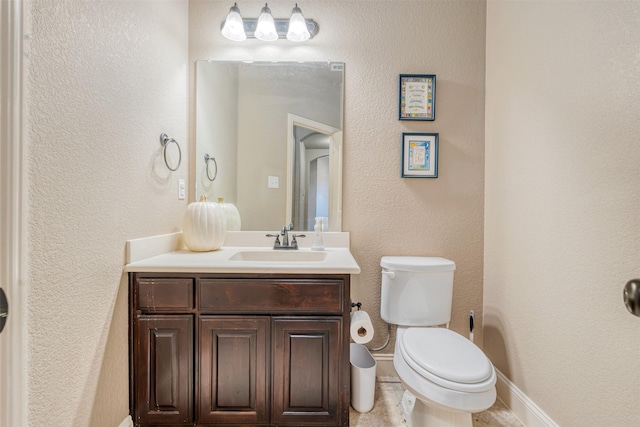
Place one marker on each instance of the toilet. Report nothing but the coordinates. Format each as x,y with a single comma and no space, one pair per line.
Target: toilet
447,377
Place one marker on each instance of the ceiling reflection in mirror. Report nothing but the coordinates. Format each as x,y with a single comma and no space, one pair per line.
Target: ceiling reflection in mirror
272,134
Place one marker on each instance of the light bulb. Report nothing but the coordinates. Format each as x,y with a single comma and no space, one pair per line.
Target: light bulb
233,28
298,31
266,29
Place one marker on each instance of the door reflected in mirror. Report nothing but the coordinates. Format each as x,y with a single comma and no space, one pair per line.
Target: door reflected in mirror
275,132
311,180
310,145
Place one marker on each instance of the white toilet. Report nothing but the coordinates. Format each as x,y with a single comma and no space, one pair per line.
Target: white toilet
447,376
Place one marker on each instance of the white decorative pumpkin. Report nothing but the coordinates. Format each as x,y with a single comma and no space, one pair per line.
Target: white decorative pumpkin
231,214
204,226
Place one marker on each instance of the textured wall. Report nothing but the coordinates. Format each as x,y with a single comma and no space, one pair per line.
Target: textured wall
104,79
561,225
378,40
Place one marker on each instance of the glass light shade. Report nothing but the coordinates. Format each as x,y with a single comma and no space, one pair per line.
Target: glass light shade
233,28
266,29
298,31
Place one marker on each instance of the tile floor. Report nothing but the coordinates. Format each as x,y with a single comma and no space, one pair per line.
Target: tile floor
387,411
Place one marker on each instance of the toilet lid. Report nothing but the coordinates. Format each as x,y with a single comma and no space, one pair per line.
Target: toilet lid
417,264
447,358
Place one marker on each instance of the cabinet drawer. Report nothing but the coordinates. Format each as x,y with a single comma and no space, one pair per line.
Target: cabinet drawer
271,295
168,294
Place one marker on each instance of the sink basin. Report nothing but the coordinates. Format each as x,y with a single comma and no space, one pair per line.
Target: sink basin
279,256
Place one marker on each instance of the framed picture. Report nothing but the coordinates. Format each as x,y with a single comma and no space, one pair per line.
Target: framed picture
419,155
417,97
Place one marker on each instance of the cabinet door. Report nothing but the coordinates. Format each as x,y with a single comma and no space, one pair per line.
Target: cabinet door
233,375
163,369
306,371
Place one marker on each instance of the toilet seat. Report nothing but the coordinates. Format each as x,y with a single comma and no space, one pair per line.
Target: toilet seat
447,359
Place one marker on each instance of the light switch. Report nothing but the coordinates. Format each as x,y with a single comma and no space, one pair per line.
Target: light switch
181,189
273,182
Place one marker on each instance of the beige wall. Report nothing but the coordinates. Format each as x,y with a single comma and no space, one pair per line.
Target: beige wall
388,215
104,79
561,223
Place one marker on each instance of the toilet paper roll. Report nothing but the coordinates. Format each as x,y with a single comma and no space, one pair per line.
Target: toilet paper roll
361,327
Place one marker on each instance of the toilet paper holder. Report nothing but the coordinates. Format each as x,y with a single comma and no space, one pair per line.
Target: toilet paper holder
386,343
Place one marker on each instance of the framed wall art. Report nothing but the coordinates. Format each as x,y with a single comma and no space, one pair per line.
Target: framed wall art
417,97
419,155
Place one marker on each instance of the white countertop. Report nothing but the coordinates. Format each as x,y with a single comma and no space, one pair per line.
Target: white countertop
166,254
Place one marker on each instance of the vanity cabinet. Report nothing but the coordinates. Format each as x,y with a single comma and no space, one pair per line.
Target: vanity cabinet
233,376
239,349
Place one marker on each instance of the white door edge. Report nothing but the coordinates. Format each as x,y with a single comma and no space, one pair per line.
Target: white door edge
13,340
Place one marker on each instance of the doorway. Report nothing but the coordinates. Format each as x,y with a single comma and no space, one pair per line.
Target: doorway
314,164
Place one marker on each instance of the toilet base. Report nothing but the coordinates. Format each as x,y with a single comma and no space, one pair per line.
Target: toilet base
419,414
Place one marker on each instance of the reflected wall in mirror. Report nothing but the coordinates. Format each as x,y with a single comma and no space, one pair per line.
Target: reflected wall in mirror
275,132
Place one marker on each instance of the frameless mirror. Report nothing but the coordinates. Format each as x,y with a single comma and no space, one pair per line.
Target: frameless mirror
269,140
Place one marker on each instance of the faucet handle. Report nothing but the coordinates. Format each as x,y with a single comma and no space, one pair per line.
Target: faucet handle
276,244
294,242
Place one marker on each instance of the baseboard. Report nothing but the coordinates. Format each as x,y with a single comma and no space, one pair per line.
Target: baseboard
385,372
127,422
519,403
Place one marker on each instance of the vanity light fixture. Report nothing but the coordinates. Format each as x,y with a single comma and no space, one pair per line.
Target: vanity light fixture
298,31
266,28
233,27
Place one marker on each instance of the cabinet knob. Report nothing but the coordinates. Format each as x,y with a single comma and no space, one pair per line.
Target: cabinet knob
4,309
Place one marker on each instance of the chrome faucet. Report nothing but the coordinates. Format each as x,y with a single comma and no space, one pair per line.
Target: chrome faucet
285,236
284,232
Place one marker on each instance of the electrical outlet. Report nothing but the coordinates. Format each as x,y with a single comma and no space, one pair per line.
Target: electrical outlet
181,189
273,182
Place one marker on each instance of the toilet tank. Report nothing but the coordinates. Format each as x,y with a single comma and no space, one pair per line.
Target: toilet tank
416,291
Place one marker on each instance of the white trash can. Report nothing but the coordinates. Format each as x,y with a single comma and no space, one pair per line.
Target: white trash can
363,378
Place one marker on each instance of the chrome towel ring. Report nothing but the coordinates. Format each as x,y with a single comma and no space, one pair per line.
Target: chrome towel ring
207,159
165,141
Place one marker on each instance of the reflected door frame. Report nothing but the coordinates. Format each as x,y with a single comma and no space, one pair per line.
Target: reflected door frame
335,166
13,339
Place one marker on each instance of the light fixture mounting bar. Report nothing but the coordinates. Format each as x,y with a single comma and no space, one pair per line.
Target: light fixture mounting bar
282,26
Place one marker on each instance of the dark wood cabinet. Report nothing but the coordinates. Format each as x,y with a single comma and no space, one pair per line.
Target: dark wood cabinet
306,371
165,394
239,349
233,375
